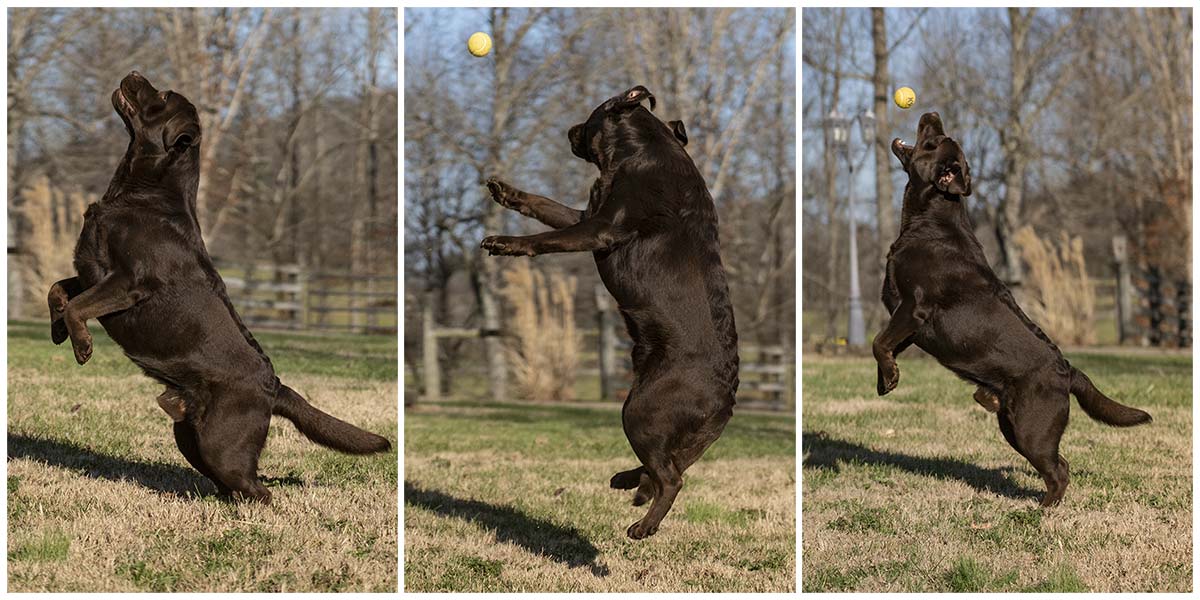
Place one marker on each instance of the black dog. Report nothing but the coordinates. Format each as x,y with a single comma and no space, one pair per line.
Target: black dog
652,228
944,298
144,272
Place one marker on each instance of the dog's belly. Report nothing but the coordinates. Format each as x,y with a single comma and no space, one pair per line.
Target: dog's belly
184,338
984,342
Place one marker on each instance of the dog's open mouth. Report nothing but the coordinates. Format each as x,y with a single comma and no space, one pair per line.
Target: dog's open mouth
123,103
947,176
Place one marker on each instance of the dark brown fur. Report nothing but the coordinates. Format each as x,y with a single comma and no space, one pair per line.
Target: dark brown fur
652,228
943,297
144,272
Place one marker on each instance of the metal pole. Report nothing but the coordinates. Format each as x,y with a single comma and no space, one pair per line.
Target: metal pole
856,335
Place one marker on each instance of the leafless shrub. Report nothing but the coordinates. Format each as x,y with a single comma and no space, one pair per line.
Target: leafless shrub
544,353
52,218
1058,295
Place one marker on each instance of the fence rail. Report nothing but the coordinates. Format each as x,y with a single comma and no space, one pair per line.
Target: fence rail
286,297
766,372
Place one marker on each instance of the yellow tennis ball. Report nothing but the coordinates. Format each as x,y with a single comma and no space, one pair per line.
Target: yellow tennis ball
479,44
905,97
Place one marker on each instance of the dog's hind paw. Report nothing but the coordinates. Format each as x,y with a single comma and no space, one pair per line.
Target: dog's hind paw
638,531
889,376
626,480
640,497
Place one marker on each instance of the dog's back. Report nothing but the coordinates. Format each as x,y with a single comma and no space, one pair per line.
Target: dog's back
669,281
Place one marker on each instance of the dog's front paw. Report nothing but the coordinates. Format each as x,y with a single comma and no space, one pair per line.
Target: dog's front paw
889,376
505,245
58,331
503,194
638,531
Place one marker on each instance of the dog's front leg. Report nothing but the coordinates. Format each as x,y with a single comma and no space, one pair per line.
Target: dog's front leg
113,293
61,293
904,322
543,209
590,235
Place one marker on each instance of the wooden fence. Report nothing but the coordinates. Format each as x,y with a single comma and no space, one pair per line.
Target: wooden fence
287,297
767,373
1152,309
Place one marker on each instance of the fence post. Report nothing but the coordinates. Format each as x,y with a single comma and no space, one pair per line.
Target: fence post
608,345
1120,246
429,352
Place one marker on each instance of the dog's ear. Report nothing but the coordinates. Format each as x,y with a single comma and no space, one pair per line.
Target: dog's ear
635,96
679,131
902,152
578,144
180,133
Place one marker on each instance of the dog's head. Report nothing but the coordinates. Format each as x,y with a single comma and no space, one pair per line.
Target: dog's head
936,159
622,120
164,128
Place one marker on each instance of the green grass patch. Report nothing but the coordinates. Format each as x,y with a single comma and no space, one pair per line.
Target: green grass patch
51,546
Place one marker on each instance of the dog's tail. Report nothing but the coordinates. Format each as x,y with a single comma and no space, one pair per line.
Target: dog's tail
325,429
1101,407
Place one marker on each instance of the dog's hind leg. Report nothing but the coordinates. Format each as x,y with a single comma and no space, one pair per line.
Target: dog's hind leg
1033,421
697,442
668,433
230,440
185,439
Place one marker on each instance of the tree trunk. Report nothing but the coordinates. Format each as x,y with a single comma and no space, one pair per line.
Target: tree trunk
884,211
1012,139
489,268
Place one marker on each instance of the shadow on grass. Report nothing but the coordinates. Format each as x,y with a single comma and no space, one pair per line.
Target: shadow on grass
161,477
824,452
537,536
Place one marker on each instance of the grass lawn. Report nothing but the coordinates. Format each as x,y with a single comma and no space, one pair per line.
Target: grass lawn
918,491
100,499
509,497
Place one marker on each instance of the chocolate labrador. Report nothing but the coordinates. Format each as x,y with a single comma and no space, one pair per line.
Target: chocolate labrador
651,226
943,297
144,272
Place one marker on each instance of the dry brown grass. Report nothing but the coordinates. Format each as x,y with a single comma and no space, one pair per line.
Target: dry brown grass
1056,293
99,498
922,494
514,498
545,353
